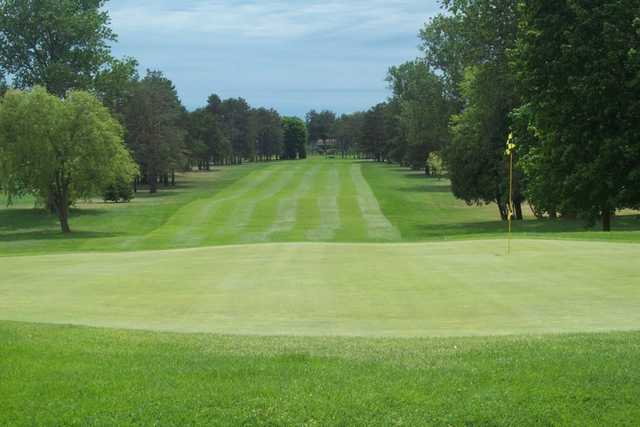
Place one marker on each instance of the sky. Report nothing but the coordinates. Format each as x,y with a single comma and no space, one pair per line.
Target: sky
291,55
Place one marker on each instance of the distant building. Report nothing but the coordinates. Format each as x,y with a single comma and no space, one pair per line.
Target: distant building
326,146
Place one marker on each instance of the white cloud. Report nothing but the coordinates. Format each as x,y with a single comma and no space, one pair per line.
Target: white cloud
299,54
270,19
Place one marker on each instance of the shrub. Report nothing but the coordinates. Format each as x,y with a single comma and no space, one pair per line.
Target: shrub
118,191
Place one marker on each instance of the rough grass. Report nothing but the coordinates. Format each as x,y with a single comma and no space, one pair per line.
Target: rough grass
424,209
55,375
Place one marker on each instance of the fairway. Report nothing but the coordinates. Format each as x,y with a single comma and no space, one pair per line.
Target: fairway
433,289
321,201
317,200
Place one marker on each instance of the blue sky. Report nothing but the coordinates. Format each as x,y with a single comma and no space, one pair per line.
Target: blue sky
292,55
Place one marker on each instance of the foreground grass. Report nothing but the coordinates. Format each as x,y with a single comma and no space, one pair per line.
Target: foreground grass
56,375
422,289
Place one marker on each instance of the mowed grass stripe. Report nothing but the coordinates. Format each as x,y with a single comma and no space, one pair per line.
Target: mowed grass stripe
308,214
236,229
386,289
226,224
378,226
287,214
189,226
267,211
327,201
353,227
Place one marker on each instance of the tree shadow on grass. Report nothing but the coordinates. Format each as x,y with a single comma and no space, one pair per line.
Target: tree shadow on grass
37,224
528,226
426,188
53,235
414,174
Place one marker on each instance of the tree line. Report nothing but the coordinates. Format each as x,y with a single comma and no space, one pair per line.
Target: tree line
75,122
562,77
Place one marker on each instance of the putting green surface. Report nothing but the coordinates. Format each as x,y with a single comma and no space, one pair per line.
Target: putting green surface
425,289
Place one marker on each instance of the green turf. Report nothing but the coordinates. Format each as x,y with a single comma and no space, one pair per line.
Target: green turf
424,209
52,375
312,250
423,289
314,200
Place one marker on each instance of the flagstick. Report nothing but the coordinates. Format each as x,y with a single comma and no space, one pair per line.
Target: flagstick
510,201
510,147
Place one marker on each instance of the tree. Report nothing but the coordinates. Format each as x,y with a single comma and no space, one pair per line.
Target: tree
152,115
373,133
320,125
60,150
3,85
269,133
113,85
469,46
216,138
443,44
239,128
295,138
348,132
578,68
475,157
61,44
424,110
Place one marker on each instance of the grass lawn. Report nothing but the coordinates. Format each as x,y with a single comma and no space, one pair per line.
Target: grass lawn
55,375
317,200
424,289
424,209
318,292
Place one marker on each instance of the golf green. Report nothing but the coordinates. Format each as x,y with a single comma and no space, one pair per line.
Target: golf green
403,290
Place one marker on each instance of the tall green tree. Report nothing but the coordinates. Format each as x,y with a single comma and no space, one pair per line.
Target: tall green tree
60,150
470,46
60,44
374,136
475,158
579,73
114,84
153,114
320,125
424,110
295,138
200,132
239,128
348,132
269,133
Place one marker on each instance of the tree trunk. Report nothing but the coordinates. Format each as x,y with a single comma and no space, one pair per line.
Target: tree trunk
61,201
63,215
153,183
518,208
503,212
606,220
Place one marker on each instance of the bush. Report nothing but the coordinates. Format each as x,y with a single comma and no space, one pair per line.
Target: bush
435,165
119,191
